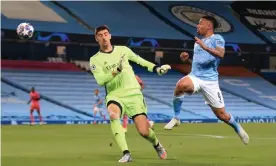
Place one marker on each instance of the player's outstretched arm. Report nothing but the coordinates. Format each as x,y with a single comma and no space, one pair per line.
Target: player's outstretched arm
160,70
218,44
101,77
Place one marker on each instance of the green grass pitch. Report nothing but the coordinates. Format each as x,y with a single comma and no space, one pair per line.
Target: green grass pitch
93,145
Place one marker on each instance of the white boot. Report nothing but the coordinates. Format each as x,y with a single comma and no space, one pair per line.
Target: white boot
172,123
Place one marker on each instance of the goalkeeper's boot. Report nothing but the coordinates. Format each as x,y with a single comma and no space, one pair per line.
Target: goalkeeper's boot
243,135
126,158
172,123
161,151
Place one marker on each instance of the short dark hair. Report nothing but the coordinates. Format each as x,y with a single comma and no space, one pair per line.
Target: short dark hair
212,19
100,28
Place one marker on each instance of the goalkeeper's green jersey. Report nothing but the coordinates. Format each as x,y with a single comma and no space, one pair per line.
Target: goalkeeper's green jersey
123,84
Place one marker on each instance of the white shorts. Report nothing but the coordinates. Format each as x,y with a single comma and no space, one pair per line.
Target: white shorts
210,90
97,109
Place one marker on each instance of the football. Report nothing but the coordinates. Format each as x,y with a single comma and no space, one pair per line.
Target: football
25,31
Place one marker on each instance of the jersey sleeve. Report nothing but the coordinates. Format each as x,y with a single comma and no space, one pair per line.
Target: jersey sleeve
101,77
219,42
140,61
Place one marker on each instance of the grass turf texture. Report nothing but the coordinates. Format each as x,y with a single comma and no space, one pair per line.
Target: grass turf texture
89,145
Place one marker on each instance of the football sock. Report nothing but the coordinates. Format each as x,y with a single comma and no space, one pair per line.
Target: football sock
152,137
32,118
233,123
119,134
177,102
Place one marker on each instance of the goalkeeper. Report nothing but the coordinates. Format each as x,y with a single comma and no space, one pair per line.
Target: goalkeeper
111,69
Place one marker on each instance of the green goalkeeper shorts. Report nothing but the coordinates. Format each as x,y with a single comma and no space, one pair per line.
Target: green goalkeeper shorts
130,105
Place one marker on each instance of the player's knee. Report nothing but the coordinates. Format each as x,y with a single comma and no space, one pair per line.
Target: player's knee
181,88
113,115
114,112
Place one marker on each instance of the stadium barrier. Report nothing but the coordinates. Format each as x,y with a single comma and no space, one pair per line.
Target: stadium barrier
38,65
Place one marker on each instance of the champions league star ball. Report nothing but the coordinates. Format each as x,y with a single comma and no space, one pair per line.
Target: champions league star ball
25,31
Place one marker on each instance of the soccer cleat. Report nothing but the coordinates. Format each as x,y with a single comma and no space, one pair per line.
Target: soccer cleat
161,151
126,158
244,136
151,124
172,123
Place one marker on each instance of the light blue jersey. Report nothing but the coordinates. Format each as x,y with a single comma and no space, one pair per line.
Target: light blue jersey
97,98
204,64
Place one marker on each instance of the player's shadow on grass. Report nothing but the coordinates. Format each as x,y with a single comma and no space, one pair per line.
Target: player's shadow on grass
183,164
163,163
152,158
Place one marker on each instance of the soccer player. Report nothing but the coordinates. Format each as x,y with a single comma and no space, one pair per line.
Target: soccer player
98,105
203,78
111,69
34,99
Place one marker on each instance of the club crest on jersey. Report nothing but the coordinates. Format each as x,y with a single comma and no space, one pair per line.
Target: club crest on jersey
93,67
219,42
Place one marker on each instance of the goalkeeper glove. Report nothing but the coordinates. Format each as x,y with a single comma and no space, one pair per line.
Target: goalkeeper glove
163,69
120,67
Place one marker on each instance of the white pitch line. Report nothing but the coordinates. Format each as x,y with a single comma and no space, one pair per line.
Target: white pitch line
213,136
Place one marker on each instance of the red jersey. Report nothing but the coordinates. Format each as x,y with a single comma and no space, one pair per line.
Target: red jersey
34,98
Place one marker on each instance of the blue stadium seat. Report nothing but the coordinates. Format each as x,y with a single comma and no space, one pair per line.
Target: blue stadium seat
162,89
14,107
124,19
76,89
190,12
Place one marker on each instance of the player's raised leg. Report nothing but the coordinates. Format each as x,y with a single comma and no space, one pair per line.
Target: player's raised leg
230,120
214,98
114,110
143,127
184,85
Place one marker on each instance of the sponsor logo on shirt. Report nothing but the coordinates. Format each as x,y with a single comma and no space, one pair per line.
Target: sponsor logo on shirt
115,65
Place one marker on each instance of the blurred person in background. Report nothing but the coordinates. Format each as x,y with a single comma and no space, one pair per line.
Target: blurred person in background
34,100
98,105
